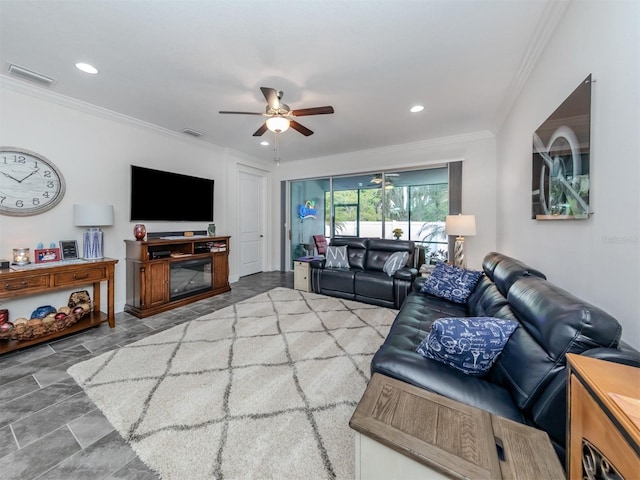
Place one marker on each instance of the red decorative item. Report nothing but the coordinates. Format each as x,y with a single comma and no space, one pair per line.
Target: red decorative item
139,231
4,315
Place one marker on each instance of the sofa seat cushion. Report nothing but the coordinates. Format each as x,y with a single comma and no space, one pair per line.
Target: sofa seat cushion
430,306
413,368
339,279
374,285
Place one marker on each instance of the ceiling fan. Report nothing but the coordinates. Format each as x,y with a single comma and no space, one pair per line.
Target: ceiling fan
280,115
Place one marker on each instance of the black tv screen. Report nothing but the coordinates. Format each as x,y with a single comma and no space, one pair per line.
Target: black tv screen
158,195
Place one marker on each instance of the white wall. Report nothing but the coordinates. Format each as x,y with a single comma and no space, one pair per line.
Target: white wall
93,149
596,259
478,172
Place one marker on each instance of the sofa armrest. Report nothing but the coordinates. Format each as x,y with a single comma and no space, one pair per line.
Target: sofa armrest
318,263
406,273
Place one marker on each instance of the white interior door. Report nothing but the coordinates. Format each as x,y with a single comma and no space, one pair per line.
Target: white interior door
251,189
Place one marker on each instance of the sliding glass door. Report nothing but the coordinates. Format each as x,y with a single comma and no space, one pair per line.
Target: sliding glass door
402,204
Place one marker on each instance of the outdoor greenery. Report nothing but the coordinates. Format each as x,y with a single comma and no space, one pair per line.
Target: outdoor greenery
428,204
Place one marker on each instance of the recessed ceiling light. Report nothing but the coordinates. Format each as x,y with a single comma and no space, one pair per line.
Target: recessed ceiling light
86,68
416,108
264,143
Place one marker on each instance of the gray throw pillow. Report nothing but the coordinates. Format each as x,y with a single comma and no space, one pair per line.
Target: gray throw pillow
337,257
395,262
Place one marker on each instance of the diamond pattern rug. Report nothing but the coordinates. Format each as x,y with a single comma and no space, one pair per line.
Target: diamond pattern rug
262,389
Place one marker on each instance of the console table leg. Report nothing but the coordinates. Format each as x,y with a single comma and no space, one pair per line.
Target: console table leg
110,297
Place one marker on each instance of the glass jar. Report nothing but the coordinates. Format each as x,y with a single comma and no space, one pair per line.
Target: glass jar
21,256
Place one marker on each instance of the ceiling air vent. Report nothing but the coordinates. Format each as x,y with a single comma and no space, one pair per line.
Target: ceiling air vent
29,75
192,132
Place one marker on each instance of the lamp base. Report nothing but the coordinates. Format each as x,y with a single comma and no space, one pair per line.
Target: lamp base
93,244
459,259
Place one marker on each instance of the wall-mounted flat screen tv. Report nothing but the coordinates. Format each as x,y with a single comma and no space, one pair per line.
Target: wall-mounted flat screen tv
158,195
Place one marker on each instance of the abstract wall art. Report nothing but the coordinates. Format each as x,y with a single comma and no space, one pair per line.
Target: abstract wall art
560,183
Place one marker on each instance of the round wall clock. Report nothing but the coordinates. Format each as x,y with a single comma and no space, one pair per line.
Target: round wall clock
29,183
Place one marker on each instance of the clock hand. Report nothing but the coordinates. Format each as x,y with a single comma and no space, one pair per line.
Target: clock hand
7,175
20,181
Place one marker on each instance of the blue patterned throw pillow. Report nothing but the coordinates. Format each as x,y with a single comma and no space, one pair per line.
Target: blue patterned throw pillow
471,345
451,282
337,257
395,262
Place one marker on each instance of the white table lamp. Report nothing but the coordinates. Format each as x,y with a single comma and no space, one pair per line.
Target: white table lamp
93,216
461,226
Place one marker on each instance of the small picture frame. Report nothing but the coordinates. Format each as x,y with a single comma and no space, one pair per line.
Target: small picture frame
69,249
45,255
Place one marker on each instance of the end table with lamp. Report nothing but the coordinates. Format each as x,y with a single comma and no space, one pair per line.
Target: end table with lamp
460,226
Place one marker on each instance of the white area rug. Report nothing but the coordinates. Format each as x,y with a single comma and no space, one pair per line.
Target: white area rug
261,389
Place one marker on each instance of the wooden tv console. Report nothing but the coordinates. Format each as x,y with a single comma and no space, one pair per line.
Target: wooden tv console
151,263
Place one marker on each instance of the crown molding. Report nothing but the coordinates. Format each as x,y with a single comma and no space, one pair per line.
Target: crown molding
413,146
553,12
84,107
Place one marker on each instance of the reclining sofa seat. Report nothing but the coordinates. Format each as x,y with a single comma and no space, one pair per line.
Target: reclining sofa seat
528,381
364,280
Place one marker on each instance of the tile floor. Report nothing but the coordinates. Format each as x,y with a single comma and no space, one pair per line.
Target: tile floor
49,429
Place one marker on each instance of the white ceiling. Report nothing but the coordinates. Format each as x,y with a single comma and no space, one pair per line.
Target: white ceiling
177,63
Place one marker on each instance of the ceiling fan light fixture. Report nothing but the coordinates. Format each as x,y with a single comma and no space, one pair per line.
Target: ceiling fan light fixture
278,124
416,109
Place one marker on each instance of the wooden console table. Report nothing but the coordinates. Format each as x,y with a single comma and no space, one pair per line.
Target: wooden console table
32,280
408,432
604,419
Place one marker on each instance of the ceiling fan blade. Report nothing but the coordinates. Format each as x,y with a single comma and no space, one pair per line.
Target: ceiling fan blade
271,95
261,130
240,113
312,111
300,128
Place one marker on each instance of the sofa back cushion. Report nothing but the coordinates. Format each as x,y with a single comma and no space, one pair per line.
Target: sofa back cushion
553,322
487,301
356,249
504,270
379,250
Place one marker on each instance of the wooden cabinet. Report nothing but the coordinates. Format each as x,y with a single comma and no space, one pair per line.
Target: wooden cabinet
604,419
166,273
154,280
42,278
302,276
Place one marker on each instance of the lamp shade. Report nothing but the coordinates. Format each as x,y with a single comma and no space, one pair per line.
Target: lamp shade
277,124
461,225
92,215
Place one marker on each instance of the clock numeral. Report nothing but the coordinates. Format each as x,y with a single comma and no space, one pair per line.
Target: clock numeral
47,174
19,204
19,159
45,194
35,201
2,198
4,160
50,185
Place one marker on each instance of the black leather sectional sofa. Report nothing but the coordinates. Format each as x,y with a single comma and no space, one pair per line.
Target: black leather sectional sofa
528,381
365,280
